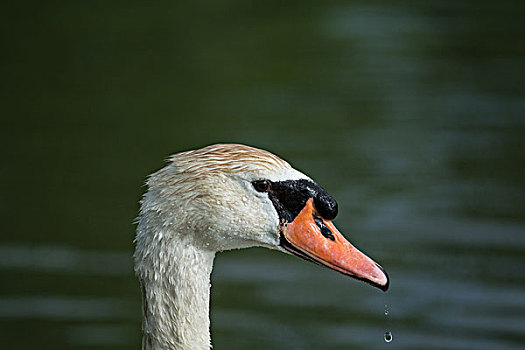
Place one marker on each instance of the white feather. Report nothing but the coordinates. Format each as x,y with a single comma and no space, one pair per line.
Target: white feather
201,203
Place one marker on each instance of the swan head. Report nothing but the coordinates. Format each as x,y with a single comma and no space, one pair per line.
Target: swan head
230,196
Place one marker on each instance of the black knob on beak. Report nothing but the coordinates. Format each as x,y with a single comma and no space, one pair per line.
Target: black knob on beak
326,206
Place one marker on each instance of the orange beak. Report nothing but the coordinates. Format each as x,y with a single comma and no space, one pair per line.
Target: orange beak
317,240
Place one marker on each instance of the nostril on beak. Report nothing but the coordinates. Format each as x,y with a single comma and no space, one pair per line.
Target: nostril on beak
326,206
325,231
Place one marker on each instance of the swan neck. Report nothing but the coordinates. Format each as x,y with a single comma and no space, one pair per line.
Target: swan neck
175,280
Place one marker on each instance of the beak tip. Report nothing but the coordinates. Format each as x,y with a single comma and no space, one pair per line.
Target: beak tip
384,284
385,287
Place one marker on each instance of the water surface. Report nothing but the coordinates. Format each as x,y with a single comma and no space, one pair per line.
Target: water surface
410,115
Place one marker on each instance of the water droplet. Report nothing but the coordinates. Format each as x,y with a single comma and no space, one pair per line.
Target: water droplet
386,310
244,199
388,336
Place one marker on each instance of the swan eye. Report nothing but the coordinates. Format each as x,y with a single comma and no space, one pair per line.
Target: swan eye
261,185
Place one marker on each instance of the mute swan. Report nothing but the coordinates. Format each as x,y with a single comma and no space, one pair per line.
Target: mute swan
221,197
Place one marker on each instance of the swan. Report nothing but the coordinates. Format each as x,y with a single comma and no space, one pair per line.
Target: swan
221,197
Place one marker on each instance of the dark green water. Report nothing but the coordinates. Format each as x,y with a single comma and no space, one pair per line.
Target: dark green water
411,114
